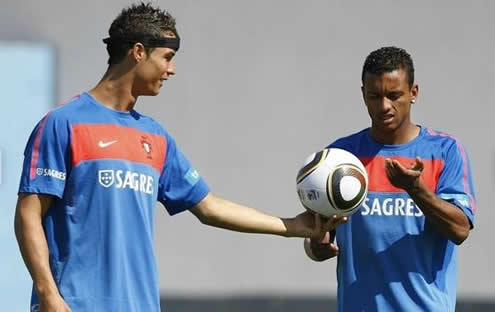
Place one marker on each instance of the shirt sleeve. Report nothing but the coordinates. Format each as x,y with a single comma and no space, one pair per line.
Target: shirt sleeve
180,185
455,183
46,158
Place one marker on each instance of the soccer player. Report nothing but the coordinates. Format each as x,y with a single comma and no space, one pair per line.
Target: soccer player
93,171
399,251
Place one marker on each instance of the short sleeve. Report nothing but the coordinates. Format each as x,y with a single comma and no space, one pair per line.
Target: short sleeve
455,183
180,185
46,158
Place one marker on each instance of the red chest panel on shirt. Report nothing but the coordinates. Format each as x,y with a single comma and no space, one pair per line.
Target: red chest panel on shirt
108,141
379,182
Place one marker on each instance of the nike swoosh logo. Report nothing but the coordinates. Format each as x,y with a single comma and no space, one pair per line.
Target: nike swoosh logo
106,144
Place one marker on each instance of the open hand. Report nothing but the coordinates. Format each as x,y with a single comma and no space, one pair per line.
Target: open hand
404,177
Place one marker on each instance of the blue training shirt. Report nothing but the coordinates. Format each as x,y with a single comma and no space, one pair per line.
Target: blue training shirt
106,170
390,258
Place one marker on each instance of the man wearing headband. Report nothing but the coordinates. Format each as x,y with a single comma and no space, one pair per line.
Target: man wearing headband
93,171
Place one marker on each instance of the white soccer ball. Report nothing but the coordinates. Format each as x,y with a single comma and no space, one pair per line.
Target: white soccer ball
331,182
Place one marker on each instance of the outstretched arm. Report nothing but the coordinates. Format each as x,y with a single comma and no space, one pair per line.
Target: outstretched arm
447,218
34,249
222,213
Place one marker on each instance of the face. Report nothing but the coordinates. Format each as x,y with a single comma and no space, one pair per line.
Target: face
388,98
152,69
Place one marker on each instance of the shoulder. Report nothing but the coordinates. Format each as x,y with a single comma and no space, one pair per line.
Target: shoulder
66,111
442,139
446,144
152,124
54,126
348,142
153,127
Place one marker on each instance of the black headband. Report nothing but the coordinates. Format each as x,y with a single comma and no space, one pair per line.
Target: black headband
172,43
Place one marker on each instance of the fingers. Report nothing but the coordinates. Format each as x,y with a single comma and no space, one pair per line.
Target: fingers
323,225
317,221
333,222
333,249
326,238
340,220
418,165
319,227
398,167
388,163
327,250
393,164
389,168
394,168
320,251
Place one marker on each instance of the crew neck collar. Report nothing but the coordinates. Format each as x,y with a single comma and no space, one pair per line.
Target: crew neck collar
416,139
128,114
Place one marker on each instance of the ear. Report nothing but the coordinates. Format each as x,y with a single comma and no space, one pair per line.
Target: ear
138,52
362,93
414,92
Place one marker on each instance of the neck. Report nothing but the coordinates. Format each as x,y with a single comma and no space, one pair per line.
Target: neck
114,90
399,136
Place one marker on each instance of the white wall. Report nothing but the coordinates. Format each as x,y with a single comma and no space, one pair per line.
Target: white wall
262,84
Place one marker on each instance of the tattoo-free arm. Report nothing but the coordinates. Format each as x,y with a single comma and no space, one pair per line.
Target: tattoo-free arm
225,214
447,218
34,249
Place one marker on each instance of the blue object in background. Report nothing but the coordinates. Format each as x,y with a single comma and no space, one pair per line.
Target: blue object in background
28,92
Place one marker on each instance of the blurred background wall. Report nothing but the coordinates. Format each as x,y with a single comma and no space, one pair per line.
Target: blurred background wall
28,92
259,86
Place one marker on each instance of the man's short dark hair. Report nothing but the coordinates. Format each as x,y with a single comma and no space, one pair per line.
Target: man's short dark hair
387,59
138,21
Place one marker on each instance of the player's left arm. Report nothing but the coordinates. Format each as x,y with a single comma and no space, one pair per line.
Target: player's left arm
447,218
222,213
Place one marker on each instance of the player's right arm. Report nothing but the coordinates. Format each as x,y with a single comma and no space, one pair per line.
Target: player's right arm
32,242
321,250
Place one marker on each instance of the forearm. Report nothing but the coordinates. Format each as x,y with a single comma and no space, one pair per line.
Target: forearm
33,246
225,214
447,218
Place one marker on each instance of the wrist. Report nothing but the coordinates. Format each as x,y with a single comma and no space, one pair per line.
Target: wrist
46,292
289,227
416,188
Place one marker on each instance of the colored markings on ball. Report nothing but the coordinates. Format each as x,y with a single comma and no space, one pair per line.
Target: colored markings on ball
312,165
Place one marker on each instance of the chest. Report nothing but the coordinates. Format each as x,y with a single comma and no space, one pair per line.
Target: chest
379,182
109,141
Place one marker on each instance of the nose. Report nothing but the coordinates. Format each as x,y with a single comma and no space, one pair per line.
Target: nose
171,68
385,103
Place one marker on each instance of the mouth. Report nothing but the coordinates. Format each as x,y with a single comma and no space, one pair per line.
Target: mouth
386,118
